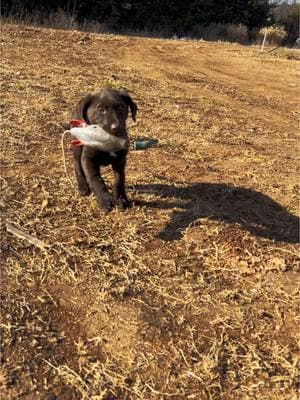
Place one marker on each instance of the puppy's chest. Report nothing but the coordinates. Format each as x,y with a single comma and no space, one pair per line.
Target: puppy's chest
102,157
106,158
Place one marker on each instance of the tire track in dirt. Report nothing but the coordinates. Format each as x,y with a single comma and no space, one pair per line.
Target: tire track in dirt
223,79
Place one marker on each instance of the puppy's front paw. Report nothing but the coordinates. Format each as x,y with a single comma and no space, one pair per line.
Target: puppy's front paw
84,191
106,202
83,188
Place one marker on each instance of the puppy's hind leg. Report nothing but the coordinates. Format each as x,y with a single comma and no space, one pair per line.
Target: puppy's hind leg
83,186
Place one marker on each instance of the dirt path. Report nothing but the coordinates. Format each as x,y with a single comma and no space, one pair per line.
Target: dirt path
245,79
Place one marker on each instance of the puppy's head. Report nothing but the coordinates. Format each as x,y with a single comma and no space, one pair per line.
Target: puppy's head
107,108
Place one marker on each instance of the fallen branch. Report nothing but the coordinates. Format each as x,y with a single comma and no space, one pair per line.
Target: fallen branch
22,235
275,48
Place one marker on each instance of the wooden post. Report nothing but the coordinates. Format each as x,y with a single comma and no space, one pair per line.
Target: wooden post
264,41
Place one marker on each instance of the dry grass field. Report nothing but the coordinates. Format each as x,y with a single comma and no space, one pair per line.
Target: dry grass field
193,292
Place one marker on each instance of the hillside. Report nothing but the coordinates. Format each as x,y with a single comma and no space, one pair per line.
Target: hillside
190,294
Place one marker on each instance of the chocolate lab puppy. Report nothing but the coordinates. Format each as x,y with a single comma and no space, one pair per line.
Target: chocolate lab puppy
107,108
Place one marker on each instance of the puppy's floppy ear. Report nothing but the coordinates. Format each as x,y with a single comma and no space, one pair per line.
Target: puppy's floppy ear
131,104
80,111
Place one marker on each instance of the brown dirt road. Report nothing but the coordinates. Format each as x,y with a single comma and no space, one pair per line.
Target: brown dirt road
192,293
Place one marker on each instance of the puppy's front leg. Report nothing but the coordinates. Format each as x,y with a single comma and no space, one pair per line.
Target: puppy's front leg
81,181
120,196
96,183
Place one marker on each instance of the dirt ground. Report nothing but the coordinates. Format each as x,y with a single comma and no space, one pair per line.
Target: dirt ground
193,292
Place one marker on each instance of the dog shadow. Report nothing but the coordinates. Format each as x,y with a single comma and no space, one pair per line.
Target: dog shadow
253,211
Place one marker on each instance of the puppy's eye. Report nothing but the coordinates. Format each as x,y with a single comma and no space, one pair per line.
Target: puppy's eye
101,110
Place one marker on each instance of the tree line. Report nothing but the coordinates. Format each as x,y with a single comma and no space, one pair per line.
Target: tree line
175,16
